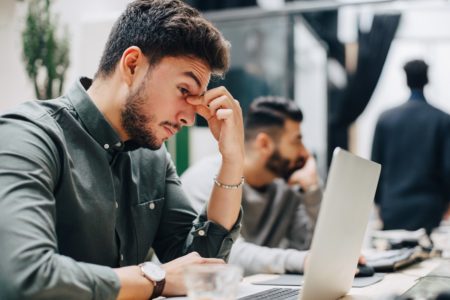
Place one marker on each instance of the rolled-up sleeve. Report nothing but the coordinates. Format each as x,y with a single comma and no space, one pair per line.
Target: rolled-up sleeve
213,240
30,265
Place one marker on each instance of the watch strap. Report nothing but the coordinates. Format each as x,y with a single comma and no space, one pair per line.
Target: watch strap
158,288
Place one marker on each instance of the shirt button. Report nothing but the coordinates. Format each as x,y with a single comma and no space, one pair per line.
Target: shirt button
121,256
118,144
201,233
117,205
106,146
151,205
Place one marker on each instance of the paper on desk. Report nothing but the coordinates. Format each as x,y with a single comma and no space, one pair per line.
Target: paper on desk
400,234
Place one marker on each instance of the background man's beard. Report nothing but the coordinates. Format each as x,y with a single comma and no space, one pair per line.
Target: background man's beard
280,165
135,122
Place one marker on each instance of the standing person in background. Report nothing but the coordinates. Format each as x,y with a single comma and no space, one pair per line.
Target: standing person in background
412,143
86,185
281,196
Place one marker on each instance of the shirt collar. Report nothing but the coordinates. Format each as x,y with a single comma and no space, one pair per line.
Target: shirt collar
93,120
417,95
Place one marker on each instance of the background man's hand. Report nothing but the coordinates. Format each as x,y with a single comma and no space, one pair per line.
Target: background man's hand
174,272
307,176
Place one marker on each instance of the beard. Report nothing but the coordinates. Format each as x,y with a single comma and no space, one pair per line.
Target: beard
279,165
135,121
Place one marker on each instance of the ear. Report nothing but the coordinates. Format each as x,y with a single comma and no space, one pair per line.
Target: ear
264,144
131,61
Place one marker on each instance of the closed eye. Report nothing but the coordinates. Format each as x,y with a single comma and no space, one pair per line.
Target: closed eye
184,92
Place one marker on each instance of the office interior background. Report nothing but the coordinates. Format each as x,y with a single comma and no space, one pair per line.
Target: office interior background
341,61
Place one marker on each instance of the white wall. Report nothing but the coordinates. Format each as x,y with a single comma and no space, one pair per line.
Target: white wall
15,86
311,92
13,79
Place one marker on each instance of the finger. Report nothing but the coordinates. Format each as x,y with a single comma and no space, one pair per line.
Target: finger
220,102
196,100
203,111
194,253
214,99
362,260
223,114
230,106
215,93
212,261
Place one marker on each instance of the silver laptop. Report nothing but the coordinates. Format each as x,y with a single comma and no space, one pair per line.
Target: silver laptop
342,222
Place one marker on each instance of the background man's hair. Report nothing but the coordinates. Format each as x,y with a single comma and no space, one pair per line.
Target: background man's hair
163,28
268,114
416,73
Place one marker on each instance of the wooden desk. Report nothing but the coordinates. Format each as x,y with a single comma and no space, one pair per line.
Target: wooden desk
392,284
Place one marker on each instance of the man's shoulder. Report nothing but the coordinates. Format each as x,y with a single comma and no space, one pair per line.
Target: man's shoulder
34,115
404,111
36,111
438,112
393,111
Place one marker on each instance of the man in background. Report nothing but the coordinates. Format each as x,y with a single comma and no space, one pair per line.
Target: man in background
281,195
412,143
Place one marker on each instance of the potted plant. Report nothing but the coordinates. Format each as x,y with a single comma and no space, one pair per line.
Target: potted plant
46,55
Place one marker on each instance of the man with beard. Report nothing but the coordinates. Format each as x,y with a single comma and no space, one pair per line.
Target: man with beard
86,185
281,194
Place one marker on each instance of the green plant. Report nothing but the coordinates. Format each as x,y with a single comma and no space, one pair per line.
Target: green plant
46,56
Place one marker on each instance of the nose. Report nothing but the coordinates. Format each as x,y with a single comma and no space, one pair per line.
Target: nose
186,116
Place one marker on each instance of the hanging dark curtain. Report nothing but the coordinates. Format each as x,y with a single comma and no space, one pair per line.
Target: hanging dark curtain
324,24
205,5
347,104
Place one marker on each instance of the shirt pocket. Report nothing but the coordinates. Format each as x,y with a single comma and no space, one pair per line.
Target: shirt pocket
146,218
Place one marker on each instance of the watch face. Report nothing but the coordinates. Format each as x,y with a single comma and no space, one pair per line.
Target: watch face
153,271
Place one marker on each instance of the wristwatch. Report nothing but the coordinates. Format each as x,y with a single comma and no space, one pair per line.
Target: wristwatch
156,275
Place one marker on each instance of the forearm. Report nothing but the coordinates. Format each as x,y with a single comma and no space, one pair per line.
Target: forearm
256,259
133,285
224,116
304,220
312,200
225,203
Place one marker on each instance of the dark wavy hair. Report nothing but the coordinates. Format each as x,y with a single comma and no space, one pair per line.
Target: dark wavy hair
163,28
269,114
416,73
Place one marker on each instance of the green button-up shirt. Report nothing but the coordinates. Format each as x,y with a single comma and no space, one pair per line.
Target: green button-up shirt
76,201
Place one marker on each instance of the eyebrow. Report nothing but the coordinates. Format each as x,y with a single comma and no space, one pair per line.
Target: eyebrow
192,75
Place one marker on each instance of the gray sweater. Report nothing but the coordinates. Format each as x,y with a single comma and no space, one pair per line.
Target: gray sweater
277,224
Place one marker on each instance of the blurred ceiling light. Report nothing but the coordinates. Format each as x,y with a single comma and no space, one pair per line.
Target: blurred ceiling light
270,4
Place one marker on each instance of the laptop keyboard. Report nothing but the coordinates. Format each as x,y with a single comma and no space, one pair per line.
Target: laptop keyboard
274,294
